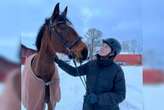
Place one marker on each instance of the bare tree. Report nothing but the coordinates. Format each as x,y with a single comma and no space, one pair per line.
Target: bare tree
131,46
93,40
125,46
134,46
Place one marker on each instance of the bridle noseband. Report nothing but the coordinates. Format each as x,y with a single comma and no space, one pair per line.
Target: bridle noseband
53,29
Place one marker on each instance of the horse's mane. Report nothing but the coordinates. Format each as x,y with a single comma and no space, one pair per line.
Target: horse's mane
39,37
41,32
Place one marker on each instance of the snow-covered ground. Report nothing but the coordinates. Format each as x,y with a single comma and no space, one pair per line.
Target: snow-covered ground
138,97
134,87
154,97
72,90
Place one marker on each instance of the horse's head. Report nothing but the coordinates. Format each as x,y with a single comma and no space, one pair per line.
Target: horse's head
62,36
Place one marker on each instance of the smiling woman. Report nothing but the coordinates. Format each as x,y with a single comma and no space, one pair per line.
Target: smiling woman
105,81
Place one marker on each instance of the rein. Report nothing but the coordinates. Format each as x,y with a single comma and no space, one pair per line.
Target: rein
52,29
83,80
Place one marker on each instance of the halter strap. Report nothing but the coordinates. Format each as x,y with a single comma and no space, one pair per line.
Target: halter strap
52,29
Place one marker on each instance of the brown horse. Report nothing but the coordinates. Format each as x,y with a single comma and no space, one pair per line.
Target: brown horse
56,35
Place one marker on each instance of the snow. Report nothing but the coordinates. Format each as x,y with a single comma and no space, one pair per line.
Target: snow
134,88
154,97
139,96
72,90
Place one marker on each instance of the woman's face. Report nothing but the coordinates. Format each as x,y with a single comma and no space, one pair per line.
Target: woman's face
104,50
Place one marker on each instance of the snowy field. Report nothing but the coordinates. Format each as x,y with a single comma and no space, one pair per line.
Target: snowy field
134,88
154,97
72,90
138,97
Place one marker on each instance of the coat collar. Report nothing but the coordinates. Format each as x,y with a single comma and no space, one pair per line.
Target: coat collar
103,62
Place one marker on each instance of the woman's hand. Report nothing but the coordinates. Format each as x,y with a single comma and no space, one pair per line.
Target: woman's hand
91,98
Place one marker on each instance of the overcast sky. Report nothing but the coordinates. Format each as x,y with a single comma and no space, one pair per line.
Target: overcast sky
122,19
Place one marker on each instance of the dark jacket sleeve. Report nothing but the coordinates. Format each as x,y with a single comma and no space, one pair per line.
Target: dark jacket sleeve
118,92
72,70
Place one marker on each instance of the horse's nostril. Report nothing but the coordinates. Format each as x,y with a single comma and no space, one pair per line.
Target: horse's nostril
84,53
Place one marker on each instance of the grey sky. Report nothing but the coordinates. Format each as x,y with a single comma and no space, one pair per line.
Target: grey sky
123,19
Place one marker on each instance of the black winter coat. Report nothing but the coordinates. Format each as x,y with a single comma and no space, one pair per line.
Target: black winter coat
105,79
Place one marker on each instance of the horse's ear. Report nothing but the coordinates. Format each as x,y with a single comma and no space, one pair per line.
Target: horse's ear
56,11
64,13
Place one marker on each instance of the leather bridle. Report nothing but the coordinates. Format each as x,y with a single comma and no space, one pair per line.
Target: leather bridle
52,27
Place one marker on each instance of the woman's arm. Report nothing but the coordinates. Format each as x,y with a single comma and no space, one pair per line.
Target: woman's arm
72,70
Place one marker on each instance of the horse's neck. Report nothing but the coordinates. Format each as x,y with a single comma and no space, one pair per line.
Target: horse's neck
44,66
